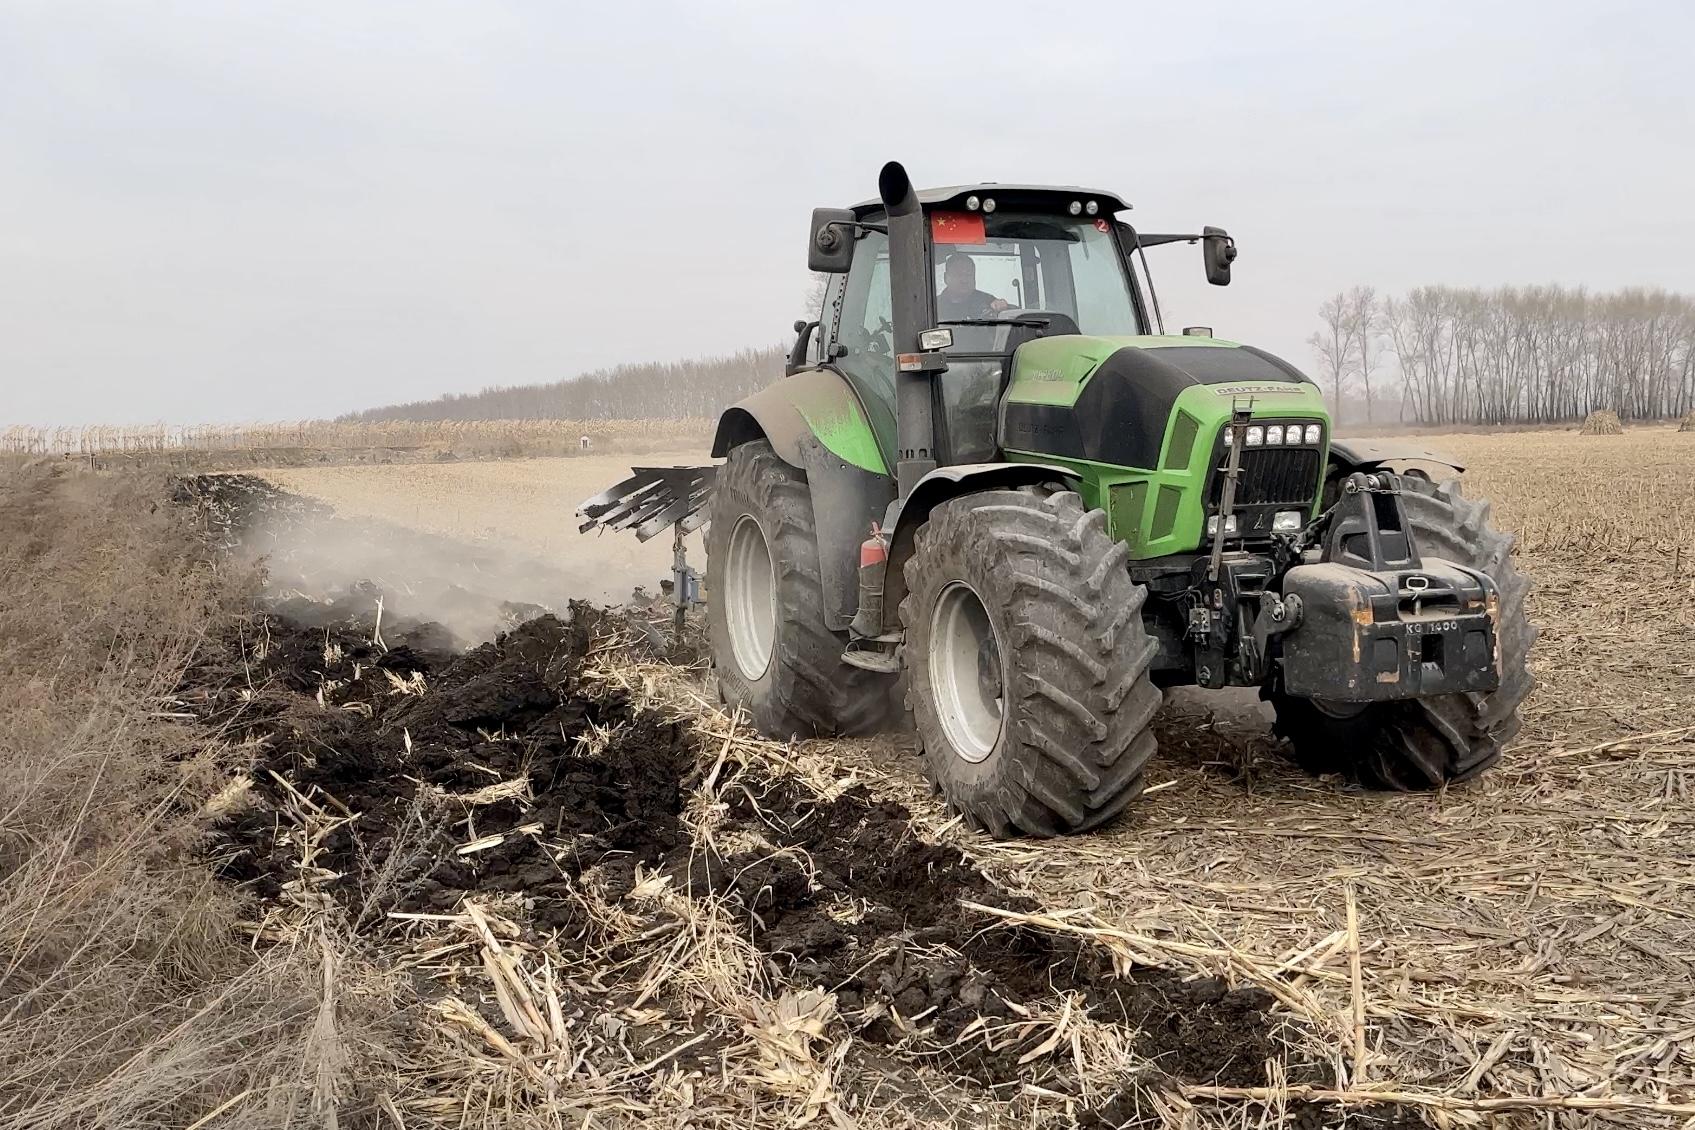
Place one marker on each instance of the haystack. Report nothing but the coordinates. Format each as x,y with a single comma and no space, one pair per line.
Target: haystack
1602,423
1687,424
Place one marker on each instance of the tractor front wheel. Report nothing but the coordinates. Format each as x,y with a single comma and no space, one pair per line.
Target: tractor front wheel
773,655
1027,662
1429,742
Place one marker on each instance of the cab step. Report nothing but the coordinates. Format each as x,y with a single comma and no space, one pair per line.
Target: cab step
877,653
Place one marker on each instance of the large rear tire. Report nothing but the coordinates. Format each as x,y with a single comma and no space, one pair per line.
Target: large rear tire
1427,743
771,651
1027,663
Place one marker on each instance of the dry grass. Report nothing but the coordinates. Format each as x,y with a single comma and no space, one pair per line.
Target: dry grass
127,997
1601,423
666,1014
1528,935
336,441
1514,952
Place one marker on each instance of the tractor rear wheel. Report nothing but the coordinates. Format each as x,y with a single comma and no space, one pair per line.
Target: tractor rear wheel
1027,662
1430,742
773,655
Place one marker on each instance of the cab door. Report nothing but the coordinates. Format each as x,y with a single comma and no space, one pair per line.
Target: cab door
858,334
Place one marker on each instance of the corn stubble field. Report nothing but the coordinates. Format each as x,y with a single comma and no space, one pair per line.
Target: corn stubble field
1528,934
547,883
363,441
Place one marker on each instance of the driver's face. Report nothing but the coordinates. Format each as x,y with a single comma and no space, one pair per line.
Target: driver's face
960,274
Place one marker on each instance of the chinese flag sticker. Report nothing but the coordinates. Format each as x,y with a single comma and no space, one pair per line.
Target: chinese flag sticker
957,227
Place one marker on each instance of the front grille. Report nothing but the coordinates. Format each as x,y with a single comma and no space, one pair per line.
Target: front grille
1272,476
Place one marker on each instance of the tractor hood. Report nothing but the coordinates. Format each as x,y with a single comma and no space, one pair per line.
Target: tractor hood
1110,399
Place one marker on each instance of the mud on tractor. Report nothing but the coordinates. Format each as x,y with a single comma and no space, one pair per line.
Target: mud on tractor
992,493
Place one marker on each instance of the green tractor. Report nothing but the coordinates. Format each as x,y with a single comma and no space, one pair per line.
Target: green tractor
993,494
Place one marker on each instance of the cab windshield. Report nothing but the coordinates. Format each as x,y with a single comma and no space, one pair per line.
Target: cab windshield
999,266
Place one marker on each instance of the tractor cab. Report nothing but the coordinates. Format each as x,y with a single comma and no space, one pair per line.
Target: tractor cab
999,265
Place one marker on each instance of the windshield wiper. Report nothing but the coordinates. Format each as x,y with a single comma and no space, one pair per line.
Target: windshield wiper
1037,323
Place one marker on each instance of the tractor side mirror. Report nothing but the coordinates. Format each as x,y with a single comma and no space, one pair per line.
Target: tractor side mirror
829,248
1219,251
803,341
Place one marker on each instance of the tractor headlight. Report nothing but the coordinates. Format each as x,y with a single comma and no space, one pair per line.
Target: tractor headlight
1314,433
1229,526
1254,437
1274,434
1286,521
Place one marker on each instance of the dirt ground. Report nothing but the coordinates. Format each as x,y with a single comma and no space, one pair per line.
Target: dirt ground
1523,936
525,786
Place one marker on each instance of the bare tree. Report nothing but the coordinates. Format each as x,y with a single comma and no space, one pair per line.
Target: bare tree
1362,324
812,306
1520,354
1334,347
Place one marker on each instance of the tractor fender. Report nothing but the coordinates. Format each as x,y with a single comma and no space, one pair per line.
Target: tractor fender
815,423
815,402
1371,455
936,488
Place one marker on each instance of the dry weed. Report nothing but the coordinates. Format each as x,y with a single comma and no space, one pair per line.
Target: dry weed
341,440
1513,952
126,995
1602,423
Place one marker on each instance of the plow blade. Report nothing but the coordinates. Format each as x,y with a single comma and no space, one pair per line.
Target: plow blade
651,500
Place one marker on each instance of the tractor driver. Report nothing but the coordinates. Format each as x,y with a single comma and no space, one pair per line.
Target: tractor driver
960,298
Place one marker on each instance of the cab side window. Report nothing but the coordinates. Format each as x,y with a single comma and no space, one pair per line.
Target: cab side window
864,330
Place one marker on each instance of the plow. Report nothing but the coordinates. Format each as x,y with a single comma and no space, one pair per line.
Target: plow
649,502
992,499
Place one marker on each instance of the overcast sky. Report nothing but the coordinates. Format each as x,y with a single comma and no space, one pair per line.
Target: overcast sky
242,210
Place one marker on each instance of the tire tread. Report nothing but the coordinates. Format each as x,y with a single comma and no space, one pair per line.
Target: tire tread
1425,744
808,691
1077,742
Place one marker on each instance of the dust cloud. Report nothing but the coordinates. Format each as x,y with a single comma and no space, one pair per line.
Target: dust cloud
321,569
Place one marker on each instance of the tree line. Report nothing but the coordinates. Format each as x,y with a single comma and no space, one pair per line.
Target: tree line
1536,354
661,390
1437,355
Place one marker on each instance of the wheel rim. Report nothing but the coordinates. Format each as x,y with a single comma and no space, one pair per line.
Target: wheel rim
967,677
1342,711
750,598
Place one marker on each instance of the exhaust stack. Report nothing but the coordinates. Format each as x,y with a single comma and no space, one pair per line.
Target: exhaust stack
909,286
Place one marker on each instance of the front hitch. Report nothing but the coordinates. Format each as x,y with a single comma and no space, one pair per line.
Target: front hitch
1377,621
1368,526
